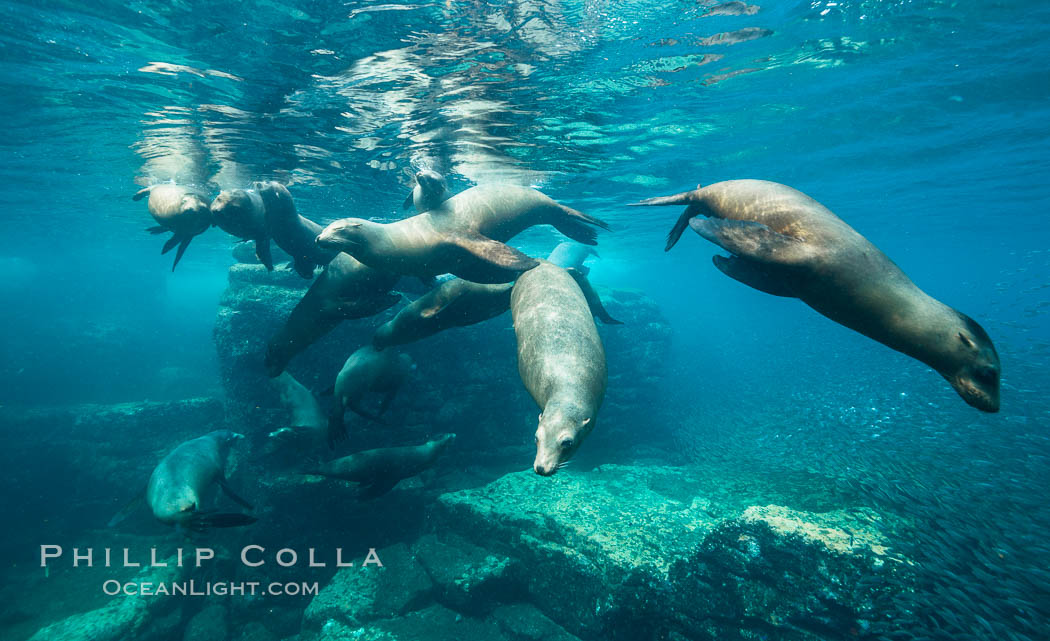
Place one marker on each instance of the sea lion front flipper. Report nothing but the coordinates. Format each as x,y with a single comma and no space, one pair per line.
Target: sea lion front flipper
204,521
128,508
263,253
500,263
182,250
357,409
141,193
388,398
593,300
408,201
336,427
233,495
751,240
304,267
754,274
363,308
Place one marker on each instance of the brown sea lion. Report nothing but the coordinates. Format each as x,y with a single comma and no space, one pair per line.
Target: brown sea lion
366,370
560,359
184,478
459,303
181,210
784,243
464,236
379,470
429,191
345,290
267,211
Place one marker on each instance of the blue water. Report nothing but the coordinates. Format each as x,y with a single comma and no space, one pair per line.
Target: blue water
925,125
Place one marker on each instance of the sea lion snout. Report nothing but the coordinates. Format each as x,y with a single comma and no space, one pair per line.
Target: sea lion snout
979,387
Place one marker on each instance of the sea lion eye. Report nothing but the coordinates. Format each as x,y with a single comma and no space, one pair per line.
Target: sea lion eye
566,443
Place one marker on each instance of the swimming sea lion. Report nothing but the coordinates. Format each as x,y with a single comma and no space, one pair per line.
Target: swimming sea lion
307,421
380,470
459,303
366,370
429,191
179,482
242,214
571,256
178,209
464,236
784,243
560,359
345,290
267,211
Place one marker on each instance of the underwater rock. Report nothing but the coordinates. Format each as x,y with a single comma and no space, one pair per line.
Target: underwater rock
523,622
139,617
469,579
643,552
359,595
209,624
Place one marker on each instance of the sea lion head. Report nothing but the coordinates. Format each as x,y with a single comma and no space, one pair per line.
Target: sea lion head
346,235
224,439
562,429
194,217
234,212
974,370
430,191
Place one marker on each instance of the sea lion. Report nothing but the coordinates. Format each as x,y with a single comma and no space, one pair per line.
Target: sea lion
429,191
464,236
345,290
571,256
267,211
307,422
366,370
181,210
179,482
784,243
242,214
560,359
380,470
459,303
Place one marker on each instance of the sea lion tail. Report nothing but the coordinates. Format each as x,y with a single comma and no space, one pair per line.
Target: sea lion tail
684,198
204,521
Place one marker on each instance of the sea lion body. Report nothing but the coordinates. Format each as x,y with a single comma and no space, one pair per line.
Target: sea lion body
186,475
560,359
366,371
178,209
785,243
346,289
379,470
464,236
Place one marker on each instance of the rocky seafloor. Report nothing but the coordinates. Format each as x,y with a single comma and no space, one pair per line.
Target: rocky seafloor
630,542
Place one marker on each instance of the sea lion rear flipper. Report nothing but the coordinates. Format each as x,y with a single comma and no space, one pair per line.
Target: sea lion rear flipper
593,300
128,508
157,229
572,224
751,240
501,263
204,521
263,253
170,244
233,495
141,193
376,489
408,201
182,250
754,274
